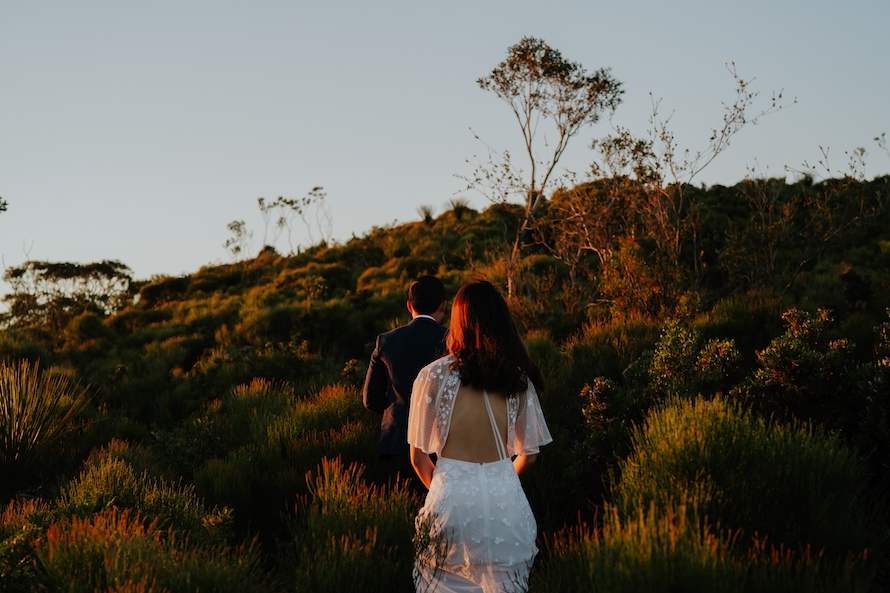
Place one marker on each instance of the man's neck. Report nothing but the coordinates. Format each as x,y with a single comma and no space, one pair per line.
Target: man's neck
425,316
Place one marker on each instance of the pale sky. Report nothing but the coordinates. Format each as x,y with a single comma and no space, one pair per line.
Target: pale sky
137,131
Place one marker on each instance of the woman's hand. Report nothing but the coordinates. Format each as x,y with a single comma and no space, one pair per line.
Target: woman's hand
521,462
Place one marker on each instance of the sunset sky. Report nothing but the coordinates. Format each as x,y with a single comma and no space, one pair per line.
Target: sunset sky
137,131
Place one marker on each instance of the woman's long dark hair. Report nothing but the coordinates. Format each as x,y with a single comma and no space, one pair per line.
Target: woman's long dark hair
484,340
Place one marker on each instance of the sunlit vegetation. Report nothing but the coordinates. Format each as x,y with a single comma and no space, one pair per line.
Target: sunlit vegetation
721,413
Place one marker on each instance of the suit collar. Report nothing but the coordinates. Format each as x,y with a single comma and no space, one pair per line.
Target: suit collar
424,319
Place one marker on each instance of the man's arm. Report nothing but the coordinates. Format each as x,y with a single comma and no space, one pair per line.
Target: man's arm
374,392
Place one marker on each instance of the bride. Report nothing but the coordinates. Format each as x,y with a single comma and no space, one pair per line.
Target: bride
477,410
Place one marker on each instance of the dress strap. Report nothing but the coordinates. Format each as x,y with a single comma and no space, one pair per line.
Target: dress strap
502,450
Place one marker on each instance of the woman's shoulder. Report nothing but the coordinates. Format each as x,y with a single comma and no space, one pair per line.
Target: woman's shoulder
439,369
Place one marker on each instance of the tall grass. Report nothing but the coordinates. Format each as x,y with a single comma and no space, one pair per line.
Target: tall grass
674,548
118,550
259,441
353,536
36,411
652,550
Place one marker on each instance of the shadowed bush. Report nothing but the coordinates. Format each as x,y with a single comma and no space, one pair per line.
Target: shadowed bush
807,376
258,442
21,522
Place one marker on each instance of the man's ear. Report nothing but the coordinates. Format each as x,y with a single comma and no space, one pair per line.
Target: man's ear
410,308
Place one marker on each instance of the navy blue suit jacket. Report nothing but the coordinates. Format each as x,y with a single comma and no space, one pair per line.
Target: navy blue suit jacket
397,358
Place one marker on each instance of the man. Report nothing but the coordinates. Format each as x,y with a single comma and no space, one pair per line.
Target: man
397,358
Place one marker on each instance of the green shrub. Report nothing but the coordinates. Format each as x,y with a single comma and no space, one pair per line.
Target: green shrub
806,376
108,481
751,320
789,485
14,348
221,369
649,551
684,365
333,422
607,348
86,329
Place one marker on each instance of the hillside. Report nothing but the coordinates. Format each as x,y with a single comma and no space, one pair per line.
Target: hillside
219,423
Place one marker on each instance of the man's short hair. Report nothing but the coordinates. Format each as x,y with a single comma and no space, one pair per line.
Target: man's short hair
426,294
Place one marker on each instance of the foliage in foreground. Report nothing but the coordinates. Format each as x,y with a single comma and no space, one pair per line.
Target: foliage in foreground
354,536
714,499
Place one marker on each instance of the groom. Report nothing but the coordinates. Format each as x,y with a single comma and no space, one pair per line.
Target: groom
397,358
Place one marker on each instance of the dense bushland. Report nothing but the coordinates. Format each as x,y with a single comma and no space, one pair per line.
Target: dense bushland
721,412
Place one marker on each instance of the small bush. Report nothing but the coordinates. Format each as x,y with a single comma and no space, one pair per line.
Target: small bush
648,551
751,321
684,365
14,349
109,481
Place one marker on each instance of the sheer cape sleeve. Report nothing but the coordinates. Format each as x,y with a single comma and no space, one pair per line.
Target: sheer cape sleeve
527,431
432,401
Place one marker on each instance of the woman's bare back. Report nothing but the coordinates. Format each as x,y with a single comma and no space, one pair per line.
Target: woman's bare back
470,436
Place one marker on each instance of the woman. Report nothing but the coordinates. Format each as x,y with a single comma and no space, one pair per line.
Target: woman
478,411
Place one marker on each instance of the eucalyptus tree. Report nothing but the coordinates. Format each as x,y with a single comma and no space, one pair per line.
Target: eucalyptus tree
51,293
540,87
280,214
641,212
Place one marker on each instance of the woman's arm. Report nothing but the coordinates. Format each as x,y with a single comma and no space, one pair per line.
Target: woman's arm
423,465
521,462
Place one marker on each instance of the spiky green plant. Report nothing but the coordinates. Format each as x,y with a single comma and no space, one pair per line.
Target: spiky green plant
36,411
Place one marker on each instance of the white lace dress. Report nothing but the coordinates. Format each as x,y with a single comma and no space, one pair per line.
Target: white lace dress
476,531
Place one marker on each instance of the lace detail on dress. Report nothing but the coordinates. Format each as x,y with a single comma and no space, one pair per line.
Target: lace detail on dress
432,402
